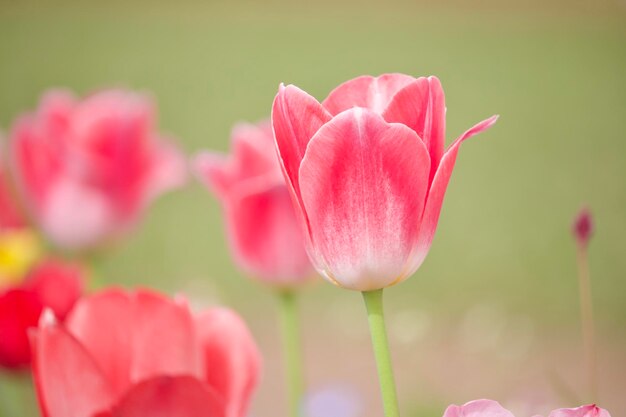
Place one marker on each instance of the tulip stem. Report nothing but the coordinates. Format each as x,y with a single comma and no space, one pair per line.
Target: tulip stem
586,316
375,316
292,351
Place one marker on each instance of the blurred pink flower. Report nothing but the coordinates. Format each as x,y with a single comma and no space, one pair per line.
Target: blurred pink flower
489,408
51,284
88,168
582,228
368,173
138,354
263,231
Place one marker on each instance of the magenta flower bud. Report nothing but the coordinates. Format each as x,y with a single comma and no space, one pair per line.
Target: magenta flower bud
582,228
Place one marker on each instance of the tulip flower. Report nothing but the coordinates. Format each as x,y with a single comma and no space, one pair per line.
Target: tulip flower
262,228
88,168
138,354
489,408
367,172
50,284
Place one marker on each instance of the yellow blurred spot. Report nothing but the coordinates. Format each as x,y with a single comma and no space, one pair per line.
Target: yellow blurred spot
19,249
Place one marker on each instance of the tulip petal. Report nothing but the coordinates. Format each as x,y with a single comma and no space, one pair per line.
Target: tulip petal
364,184
296,117
58,285
590,410
253,157
19,310
178,352
478,408
36,161
72,228
169,397
144,335
69,383
372,93
254,151
438,188
421,106
231,359
168,172
265,234
214,171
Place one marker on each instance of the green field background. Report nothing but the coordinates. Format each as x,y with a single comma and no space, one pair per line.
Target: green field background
493,312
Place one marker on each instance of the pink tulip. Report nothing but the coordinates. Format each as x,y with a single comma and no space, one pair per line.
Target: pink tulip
88,168
138,354
263,231
489,408
367,172
51,284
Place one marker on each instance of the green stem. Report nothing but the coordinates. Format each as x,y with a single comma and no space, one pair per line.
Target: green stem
375,316
292,351
586,319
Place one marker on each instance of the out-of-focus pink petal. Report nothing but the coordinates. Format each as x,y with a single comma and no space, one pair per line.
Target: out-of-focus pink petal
57,284
103,323
165,396
54,115
265,235
134,336
253,158
437,191
214,171
364,184
178,352
36,161
296,117
372,93
76,215
254,151
421,106
478,408
19,310
37,144
590,410
231,359
69,383
169,170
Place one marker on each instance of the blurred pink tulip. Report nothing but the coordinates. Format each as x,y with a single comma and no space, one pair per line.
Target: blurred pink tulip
489,408
51,284
88,168
368,172
263,231
138,354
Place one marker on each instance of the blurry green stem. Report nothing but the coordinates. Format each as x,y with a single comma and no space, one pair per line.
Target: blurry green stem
374,306
586,319
292,350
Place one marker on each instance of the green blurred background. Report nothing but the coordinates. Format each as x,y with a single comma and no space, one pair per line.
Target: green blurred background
493,312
